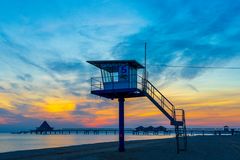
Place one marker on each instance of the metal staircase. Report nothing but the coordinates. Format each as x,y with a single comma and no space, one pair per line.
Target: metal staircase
176,116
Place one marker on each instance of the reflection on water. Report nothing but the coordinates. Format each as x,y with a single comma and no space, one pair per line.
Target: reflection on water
14,142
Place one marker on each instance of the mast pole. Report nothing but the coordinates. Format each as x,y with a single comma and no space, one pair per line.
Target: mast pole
145,60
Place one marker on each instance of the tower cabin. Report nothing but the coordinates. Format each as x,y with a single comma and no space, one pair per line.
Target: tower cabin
119,78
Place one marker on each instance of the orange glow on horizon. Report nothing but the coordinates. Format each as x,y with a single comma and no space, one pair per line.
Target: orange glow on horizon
59,105
201,109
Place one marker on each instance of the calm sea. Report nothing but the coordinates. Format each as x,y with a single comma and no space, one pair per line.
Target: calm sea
16,142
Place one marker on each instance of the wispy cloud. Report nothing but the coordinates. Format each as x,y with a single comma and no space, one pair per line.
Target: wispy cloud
25,77
66,67
2,89
192,87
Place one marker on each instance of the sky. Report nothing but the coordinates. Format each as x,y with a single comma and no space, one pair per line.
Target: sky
44,46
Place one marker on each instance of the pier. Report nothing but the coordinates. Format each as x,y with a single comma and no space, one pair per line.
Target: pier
45,129
86,131
131,131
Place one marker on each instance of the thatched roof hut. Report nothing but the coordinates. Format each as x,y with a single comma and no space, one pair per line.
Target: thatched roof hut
44,127
140,128
150,128
160,128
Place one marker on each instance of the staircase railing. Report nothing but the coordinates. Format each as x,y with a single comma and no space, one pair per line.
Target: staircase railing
176,116
179,115
150,89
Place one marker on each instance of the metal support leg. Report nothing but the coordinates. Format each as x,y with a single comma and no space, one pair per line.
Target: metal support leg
121,124
177,138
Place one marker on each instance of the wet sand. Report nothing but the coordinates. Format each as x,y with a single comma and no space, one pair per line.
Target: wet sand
199,148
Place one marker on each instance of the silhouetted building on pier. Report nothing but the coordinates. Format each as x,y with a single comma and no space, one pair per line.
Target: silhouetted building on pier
226,128
44,127
150,129
140,128
160,128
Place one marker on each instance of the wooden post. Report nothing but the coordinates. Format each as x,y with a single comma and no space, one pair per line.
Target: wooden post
121,124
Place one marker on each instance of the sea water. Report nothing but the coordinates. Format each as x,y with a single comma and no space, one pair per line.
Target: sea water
16,142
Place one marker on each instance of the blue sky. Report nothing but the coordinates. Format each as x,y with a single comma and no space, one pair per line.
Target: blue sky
44,46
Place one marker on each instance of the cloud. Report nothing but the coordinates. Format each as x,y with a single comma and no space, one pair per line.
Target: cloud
14,86
72,76
16,122
81,111
2,89
19,55
66,67
75,87
25,77
13,122
185,35
8,42
31,63
192,87
23,108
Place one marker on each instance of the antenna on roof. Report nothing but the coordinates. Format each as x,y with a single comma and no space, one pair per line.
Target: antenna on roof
145,60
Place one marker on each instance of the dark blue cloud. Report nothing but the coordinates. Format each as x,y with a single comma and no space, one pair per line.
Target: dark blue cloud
14,85
72,87
22,107
195,33
28,88
2,89
75,85
65,67
8,42
22,52
16,122
25,77
79,111
192,87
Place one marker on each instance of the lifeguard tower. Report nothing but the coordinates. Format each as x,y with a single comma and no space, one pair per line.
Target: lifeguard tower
119,79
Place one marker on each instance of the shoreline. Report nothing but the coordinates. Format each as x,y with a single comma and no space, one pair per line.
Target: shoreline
11,143
199,147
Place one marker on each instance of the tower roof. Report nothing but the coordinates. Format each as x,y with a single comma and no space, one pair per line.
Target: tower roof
101,63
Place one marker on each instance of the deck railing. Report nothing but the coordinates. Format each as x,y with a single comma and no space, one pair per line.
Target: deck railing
142,85
159,97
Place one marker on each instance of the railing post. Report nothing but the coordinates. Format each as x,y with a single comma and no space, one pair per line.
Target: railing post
183,115
144,84
162,102
152,90
174,113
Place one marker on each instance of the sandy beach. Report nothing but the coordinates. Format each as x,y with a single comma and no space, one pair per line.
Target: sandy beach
199,148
